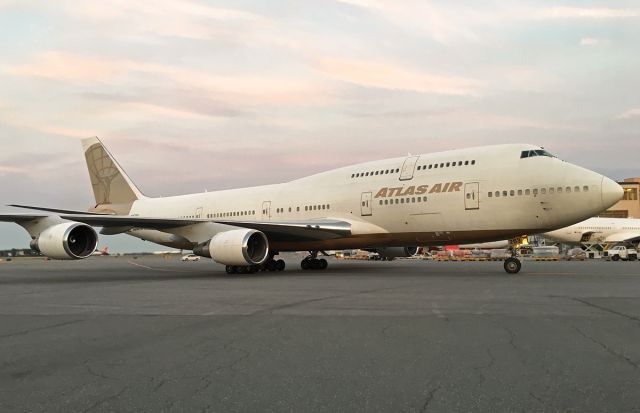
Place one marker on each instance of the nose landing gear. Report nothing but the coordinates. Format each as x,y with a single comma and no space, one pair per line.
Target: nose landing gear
512,265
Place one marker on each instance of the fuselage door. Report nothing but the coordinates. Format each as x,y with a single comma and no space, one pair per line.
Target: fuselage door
472,195
266,210
199,212
408,167
365,204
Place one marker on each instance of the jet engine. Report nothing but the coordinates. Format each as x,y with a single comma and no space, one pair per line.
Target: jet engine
236,247
68,241
397,252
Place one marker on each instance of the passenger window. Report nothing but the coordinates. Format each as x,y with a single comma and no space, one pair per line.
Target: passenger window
468,196
576,189
419,199
413,200
512,192
430,166
386,202
397,170
402,200
381,202
466,163
448,163
568,189
435,166
442,165
519,192
419,167
552,190
559,190
527,192
490,194
543,191
473,162
397,201
504,193
497,194
535,191
585,188
324,206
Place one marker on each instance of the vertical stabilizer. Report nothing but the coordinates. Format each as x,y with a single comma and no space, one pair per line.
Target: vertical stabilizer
111,185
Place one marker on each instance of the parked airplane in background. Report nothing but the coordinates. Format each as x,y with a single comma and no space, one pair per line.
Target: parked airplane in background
462,196
598,230
103,252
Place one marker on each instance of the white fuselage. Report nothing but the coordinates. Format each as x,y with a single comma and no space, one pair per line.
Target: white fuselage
473,195
598,230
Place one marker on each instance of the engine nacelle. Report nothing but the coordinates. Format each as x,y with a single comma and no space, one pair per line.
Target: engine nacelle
68,241
397,252
236,247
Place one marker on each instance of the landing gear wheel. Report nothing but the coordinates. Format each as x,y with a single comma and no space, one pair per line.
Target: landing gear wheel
230,269
305,264
512,265
280,265
323,264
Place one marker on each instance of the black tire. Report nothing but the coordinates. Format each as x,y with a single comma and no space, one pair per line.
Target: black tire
315,264
280,265
615,257
512,265
229,269
305,264
633,257
323,264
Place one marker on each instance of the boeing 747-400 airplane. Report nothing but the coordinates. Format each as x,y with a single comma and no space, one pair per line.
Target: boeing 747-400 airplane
392,205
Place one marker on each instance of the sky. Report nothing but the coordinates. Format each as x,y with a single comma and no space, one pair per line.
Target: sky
204,95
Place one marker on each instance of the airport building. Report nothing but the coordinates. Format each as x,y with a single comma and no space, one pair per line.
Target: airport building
629,206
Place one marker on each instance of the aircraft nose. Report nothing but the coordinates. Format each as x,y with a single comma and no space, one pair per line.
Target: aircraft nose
611,192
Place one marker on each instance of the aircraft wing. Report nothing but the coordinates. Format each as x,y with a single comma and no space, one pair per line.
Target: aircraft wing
274,230
625,236
18,218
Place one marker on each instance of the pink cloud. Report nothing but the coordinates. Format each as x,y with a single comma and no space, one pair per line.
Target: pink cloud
393,77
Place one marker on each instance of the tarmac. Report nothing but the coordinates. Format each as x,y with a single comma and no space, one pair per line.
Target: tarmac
159,335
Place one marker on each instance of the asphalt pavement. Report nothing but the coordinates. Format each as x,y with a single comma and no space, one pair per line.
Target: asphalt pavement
154,335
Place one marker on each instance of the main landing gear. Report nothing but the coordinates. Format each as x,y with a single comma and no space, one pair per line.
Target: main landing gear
313,263
269,265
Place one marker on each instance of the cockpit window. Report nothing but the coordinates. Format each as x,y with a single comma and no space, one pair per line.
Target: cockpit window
537,152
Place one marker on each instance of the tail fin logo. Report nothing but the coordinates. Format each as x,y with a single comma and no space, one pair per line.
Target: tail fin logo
111,185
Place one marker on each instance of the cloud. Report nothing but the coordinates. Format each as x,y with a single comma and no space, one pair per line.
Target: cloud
12,170
561,12
630,114
186,19
592,41
242,88
389,76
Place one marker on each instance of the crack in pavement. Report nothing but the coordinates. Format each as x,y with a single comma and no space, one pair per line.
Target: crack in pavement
330,297
429,399
105,400
479,369
94,373
512,337
605,309
608,349
33,330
